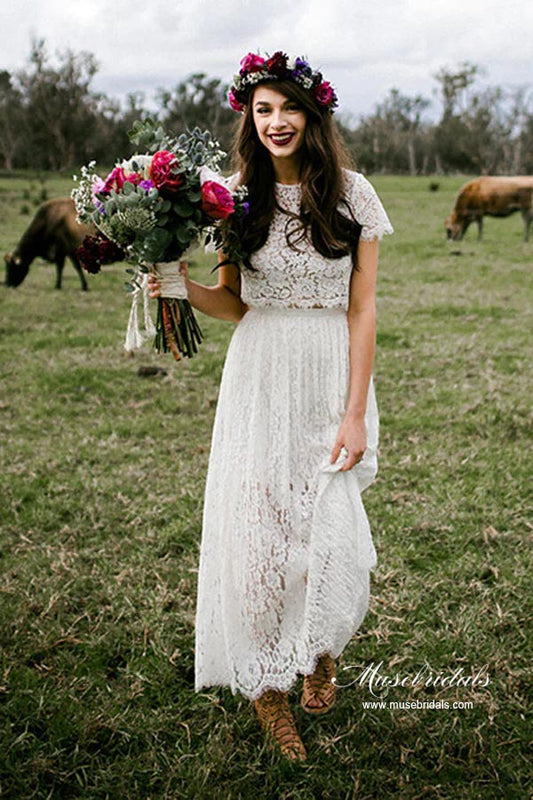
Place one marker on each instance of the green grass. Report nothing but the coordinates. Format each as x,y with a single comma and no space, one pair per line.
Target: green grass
102,479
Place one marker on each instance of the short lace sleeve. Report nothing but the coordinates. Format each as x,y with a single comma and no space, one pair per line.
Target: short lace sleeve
367,207
231,183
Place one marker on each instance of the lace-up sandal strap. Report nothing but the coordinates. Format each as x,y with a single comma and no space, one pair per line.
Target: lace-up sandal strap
319,686
276,718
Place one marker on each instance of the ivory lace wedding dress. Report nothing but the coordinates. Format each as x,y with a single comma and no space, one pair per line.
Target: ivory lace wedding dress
286,545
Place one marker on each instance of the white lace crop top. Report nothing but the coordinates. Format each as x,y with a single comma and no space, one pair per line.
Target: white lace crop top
306,279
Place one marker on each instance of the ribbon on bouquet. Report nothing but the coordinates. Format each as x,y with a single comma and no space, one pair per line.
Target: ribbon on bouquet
134,338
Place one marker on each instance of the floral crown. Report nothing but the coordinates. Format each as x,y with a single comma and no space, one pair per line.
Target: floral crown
255,69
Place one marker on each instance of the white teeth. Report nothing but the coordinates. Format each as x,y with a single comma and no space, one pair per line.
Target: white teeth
285,137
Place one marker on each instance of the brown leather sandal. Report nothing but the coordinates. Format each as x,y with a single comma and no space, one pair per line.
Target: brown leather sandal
319,686
275,717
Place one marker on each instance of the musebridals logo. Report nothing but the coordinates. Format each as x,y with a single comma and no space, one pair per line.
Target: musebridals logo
378,681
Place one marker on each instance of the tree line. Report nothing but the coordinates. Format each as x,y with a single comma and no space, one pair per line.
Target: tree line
52,119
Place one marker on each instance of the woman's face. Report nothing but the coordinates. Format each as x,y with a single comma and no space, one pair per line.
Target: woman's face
279,121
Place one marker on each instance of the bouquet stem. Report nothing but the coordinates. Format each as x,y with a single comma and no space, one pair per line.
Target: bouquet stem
177,330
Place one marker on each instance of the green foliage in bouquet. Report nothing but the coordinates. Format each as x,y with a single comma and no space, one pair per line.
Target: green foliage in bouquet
155,207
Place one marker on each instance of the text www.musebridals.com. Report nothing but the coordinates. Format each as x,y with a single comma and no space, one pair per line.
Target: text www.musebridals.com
420,704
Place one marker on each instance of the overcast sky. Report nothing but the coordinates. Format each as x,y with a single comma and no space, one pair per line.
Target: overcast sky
363,48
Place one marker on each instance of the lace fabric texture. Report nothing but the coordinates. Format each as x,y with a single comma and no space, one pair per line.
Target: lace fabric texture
306,279
286,545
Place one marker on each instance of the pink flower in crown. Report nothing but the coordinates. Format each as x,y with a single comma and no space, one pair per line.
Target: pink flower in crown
252,63
324,94
234,103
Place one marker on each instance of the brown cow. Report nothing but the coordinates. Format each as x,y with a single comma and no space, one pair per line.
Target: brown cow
53,234
494,196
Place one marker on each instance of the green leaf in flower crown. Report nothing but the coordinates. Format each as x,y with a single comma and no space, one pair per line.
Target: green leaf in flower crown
128,188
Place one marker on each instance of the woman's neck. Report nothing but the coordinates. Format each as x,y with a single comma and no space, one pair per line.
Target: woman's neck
287,170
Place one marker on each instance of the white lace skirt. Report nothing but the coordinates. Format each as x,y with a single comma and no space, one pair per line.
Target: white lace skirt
286,546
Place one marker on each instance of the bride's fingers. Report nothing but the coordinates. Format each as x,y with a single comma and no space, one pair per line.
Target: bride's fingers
335,452
352,459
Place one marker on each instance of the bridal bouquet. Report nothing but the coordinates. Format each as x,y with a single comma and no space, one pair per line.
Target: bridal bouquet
151,210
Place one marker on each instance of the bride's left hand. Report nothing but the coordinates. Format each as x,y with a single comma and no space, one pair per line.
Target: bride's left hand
352,436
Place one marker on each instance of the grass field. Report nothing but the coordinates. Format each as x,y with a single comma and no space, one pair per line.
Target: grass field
102,480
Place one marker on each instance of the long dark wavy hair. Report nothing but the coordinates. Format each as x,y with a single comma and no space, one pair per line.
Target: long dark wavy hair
333,234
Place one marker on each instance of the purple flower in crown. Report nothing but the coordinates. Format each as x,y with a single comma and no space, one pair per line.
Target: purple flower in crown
301,69
146,185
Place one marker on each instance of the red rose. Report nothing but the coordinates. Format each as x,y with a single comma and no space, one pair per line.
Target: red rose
277,64
217,201
164,172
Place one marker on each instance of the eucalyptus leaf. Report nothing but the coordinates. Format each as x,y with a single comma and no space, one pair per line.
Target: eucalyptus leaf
183,236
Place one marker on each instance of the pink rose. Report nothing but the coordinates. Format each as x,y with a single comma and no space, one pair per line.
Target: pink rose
163,172
324,94
234,103
252,63
217,201
115,180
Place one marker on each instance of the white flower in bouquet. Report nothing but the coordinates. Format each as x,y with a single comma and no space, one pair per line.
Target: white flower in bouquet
139,163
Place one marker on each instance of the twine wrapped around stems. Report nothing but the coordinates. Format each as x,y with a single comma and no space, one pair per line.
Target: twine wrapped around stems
176,330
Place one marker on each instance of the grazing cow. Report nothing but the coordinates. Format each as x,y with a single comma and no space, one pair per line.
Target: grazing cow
53,234
494,196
